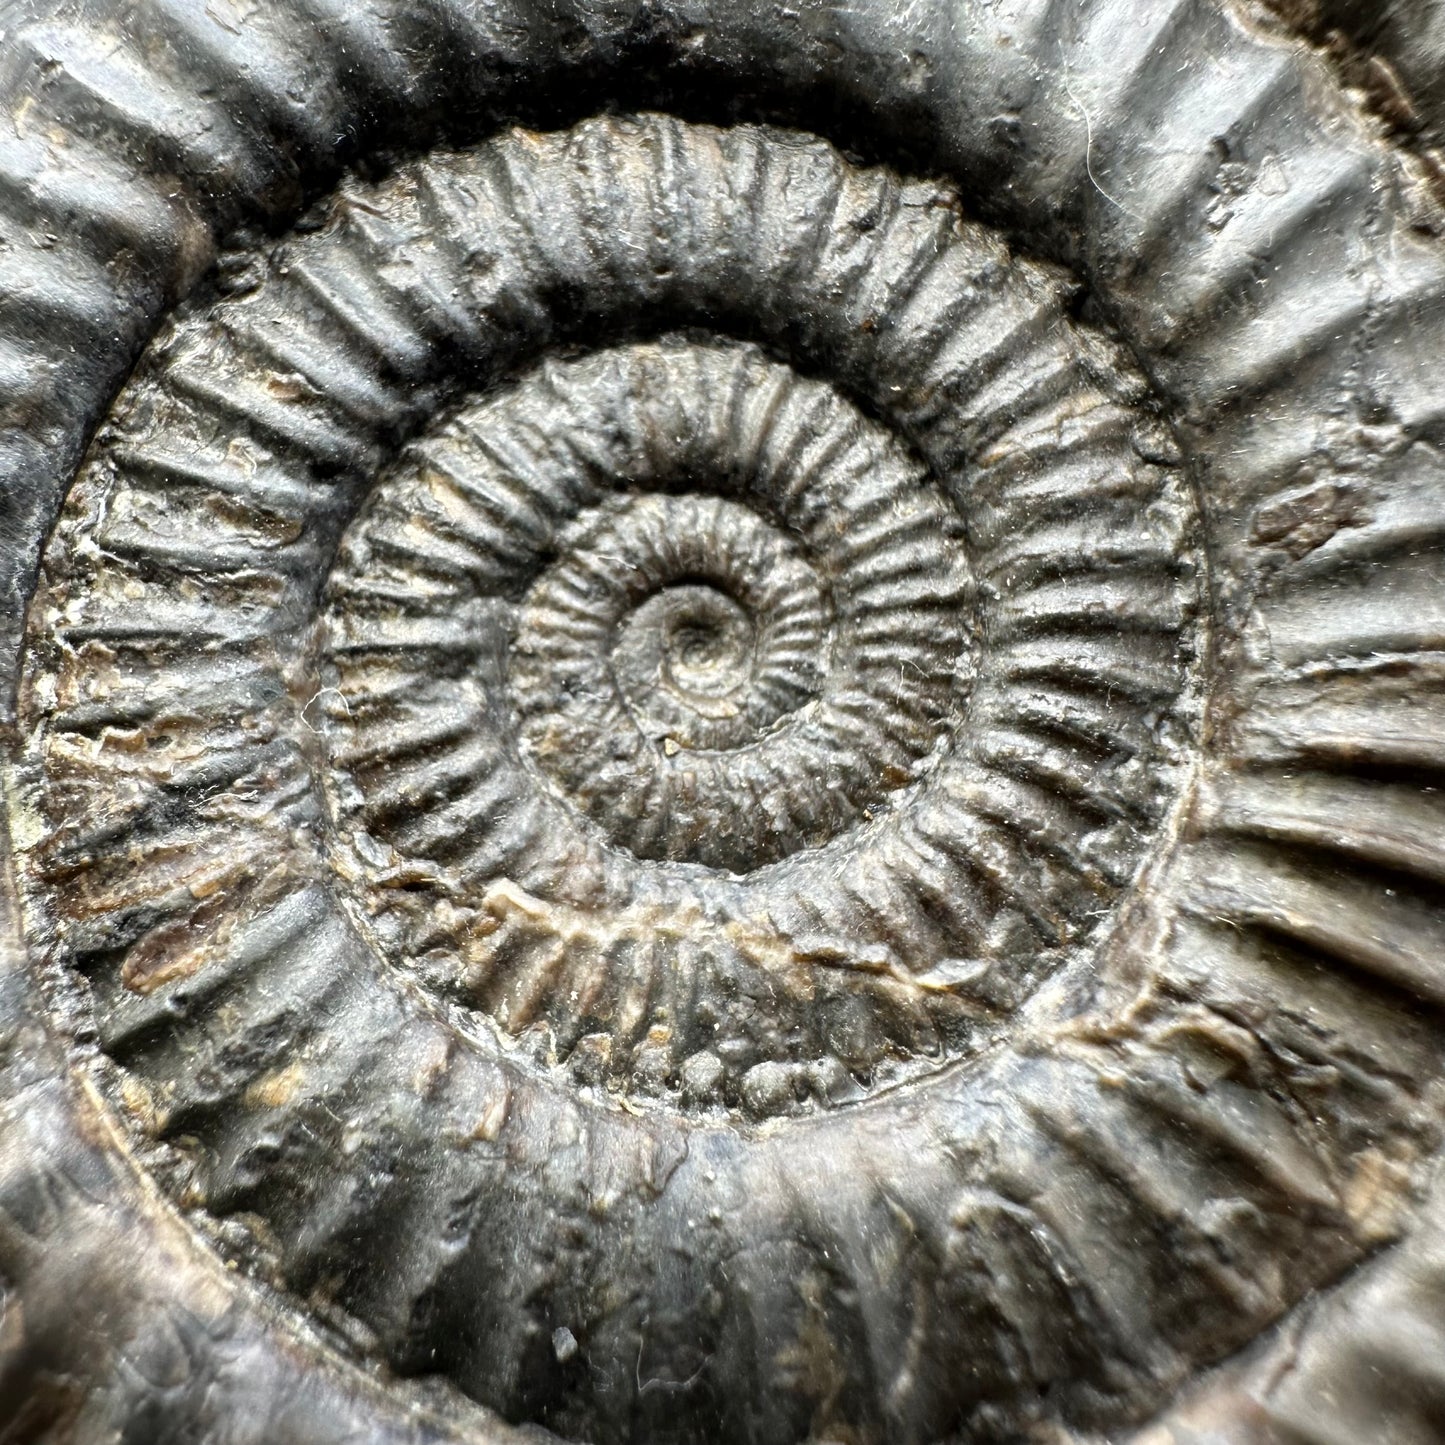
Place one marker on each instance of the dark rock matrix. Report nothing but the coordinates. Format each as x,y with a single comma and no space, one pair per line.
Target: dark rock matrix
722,723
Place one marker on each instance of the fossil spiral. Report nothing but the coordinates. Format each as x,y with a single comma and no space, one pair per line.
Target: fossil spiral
705,788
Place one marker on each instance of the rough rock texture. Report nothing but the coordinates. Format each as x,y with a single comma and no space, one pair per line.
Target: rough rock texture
1393,55
724,724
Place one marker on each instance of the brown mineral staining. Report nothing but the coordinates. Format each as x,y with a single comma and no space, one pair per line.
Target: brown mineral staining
291,387
140,1101
489,1126
1299,522
1351,36
168,953
1379,1194
276,1089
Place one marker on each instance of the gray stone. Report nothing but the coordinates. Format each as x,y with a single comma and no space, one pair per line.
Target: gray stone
765,679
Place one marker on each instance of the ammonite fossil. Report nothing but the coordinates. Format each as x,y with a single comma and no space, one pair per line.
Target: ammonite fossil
723,725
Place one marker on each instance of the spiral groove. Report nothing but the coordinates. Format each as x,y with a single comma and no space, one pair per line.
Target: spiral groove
453,933
727,720
854,642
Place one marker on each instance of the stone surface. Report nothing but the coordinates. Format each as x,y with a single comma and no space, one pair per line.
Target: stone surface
723,723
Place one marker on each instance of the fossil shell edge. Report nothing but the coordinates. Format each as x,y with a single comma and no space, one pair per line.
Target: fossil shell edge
133,151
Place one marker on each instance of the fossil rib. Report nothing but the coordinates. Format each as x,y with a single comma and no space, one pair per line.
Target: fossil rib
701,791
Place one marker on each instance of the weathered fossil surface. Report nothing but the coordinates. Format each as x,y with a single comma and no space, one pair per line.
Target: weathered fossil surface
722,723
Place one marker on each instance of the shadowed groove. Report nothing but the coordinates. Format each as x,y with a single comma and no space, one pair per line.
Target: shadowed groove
1390,937
1388,825
136,101
967,1373
896,899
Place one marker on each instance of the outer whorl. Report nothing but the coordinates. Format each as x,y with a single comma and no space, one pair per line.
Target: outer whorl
708,792
660,675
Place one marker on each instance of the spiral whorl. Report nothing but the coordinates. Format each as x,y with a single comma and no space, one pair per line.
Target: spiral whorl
709,661
695,792
750,615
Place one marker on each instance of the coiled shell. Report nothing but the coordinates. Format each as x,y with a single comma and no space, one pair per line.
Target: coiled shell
701,790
